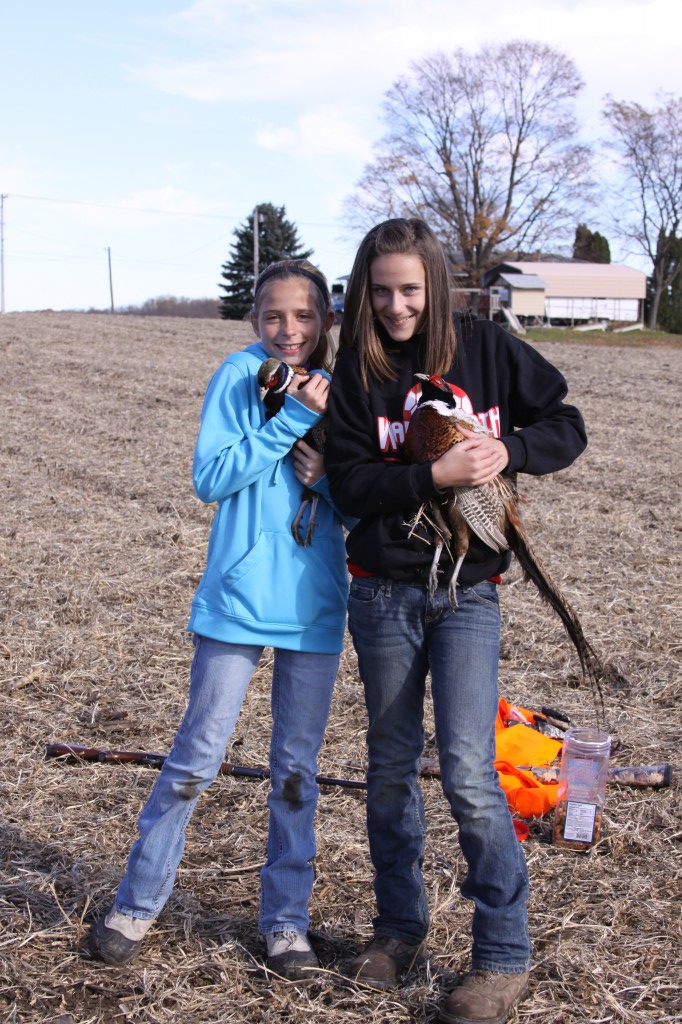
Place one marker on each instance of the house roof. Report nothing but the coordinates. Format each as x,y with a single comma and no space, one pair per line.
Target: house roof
575,278
529,282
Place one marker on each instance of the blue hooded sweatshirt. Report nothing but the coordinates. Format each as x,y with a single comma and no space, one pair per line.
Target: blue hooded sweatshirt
260,587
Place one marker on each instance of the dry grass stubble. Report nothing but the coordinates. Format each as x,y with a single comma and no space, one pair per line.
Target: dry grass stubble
102,544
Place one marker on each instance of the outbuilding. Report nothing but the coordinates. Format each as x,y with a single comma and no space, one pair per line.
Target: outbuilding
570,290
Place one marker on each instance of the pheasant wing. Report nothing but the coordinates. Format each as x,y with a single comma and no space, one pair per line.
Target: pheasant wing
484,510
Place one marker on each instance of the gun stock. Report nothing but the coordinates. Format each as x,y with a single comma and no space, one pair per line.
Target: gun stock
653,776
656,776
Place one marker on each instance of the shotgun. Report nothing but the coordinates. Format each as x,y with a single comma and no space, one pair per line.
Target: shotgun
652,776
74,753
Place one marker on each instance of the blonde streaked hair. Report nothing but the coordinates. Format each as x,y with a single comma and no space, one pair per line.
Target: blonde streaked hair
405,237
323,356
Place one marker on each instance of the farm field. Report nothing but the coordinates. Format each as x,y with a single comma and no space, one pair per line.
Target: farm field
102,543
642,338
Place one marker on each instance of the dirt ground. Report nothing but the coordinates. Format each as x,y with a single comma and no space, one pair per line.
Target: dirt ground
102,542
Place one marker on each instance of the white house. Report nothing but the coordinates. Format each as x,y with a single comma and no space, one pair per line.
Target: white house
570,290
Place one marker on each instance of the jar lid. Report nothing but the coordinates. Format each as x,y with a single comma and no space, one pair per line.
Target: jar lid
588,739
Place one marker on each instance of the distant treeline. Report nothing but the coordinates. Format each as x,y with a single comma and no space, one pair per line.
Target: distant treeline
169,305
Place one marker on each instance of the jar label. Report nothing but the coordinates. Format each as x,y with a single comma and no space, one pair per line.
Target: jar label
580,818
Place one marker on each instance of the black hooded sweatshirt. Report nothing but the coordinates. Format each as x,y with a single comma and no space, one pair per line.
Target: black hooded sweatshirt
513,390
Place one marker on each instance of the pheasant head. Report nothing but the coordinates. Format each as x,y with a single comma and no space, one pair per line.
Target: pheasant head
437,393
435,422
274,376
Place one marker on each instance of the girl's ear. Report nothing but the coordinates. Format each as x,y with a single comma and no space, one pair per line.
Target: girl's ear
254,323
328,321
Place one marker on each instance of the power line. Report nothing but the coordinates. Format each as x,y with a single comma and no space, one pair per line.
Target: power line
121,206
151,209
51,257
167,260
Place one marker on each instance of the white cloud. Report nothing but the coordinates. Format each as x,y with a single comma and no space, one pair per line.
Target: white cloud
163,203
253,52
21,178
168,199
276,52
232,102
320,131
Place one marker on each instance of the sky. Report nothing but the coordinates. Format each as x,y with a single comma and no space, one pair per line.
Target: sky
136,136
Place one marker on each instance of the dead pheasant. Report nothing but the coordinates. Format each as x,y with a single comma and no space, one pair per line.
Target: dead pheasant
490,511
274,377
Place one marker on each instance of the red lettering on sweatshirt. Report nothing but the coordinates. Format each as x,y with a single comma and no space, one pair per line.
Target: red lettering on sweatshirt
391,433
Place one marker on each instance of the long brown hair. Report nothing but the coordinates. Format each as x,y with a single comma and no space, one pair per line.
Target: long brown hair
405,237
322,357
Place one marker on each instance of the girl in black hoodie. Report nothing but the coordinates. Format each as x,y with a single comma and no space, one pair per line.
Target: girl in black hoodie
398,322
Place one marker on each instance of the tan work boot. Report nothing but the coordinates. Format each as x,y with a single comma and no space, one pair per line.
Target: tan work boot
383,960
117,938
484,997
291,956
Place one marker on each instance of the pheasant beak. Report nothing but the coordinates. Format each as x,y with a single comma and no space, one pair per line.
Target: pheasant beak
264,388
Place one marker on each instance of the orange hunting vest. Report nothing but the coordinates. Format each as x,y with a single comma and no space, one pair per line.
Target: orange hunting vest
520,744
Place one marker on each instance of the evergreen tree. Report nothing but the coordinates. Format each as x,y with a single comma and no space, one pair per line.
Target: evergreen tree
590,246
277,240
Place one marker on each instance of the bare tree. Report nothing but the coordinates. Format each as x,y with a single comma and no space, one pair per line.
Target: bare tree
483,146
648,145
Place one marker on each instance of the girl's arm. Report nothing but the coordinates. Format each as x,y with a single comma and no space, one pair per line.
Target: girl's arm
541,433
236,445
361,482
549,434
309,469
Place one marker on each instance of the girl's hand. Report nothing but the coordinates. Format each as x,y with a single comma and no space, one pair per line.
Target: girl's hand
312,391
471,463
308,464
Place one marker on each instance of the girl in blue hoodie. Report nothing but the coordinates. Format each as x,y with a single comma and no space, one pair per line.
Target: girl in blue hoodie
260,589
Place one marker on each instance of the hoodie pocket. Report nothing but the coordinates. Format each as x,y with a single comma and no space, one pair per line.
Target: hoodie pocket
279,583
250,562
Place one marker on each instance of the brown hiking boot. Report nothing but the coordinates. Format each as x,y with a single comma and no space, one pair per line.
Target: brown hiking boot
484,997
383,960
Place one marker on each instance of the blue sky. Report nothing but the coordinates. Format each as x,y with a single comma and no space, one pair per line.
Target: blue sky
145,131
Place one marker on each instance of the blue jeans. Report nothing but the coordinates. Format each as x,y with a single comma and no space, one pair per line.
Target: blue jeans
400,634
302,685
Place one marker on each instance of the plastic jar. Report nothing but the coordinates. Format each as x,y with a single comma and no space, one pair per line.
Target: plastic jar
582,788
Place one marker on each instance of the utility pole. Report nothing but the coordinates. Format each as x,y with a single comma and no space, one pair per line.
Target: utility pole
255,247
111,284
2,252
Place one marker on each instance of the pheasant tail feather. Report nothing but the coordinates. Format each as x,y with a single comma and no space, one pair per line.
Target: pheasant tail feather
593,668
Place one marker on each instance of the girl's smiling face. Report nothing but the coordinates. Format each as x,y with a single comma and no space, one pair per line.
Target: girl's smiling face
288,320
398,294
